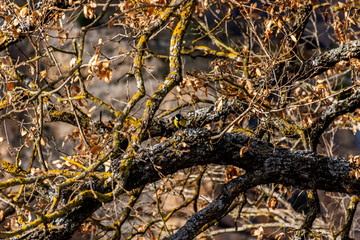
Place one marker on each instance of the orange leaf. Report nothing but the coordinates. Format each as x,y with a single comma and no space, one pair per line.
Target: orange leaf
273,202
243,150
95,149
76,89
232,172
43,74
10,86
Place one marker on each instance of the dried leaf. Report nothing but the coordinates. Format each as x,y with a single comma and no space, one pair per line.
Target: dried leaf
15,33
10,86
23,132
76,88
111,23
258,232
96,149
273,202
293,38
89,10
8,19
93,62
23,12
28,140
107,165
14,224
104,71
151,10
243,150
43,74
280,236
219,105
233,172
72,62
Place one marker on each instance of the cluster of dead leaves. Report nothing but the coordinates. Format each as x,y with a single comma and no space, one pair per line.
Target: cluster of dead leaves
100,67
194,80
89,10
355,160
18,19
140,14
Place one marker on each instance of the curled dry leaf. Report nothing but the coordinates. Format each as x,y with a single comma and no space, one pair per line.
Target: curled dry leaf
89,10
104,71
93,63
243,150
354,160
233,172
23,12
258,232
219,105
273,203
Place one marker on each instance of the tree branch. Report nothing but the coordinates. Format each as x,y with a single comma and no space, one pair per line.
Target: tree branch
319,64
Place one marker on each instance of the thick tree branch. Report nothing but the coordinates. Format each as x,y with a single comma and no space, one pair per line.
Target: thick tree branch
302,169
67,224
263,163
217,208
264,86
333,111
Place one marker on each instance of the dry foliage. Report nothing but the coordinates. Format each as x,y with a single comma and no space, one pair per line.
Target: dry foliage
89,91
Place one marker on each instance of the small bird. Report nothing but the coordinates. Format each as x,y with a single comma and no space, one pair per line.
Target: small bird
179,121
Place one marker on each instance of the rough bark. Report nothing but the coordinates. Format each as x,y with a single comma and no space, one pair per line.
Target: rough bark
263,162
